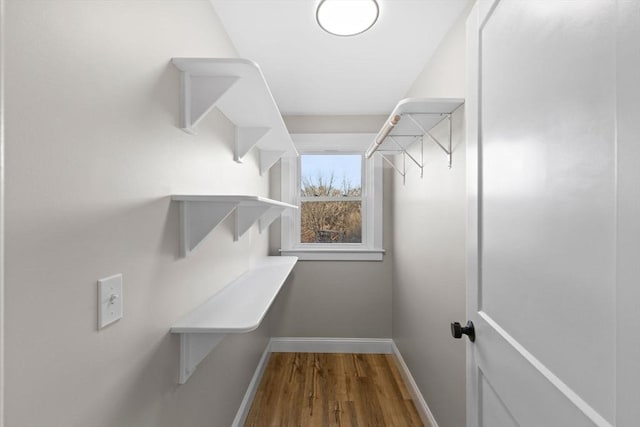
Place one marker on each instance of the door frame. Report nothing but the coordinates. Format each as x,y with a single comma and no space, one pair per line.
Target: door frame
628,212
473,208
2,183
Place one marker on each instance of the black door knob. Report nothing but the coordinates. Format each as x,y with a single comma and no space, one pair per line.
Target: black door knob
457,330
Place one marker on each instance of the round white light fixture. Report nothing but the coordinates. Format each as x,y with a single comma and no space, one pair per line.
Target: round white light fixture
347,17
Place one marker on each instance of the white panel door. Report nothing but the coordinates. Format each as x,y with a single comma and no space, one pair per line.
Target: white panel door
544,232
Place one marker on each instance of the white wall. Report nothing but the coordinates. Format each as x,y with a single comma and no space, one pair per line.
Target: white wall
429,248
335,298
93,153
2,298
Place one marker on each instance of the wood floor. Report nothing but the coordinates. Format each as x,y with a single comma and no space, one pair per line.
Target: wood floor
328,389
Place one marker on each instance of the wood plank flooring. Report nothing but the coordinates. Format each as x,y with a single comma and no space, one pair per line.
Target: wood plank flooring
328,389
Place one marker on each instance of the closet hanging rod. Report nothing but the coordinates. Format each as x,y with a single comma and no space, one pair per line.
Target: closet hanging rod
382,135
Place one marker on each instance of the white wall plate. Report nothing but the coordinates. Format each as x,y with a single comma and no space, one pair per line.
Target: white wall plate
109,300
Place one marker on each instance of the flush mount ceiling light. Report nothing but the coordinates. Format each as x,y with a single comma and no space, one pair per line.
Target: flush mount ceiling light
347,17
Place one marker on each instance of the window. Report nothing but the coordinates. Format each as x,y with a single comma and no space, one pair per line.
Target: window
339,193
331,198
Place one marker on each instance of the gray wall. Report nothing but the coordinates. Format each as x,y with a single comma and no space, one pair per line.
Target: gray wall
335,298
93,153
429,248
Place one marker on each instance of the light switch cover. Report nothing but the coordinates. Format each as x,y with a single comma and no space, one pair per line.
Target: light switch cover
109,300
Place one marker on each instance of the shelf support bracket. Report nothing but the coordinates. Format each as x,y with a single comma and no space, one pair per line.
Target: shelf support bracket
199,95
246,216
405,153
448,150
197,220
268,217
199,215
402,173
193,349
269,158
246,138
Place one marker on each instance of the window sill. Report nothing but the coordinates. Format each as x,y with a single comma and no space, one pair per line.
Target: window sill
335,254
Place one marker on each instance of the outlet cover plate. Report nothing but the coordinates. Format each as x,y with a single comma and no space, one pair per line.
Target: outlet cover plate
109,300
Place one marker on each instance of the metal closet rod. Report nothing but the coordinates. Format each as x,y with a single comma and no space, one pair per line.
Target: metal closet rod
382,135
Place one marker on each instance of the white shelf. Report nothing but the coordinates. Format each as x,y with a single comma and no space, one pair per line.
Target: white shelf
237,308
201,214
416,118
238,88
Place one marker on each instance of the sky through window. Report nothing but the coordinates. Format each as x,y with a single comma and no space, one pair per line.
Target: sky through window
343,166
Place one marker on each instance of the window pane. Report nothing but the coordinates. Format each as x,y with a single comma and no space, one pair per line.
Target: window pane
331,222
331,175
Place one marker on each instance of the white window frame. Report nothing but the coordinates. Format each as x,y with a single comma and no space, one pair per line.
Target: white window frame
371,247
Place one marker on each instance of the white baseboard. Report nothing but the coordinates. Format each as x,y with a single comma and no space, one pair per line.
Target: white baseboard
245,406
418,399
331,345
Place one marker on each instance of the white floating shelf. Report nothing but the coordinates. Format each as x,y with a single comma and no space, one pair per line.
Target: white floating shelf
414,119
238,308
238,88
201,214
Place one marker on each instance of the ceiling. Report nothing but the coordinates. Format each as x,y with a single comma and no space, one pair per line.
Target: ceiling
311,72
